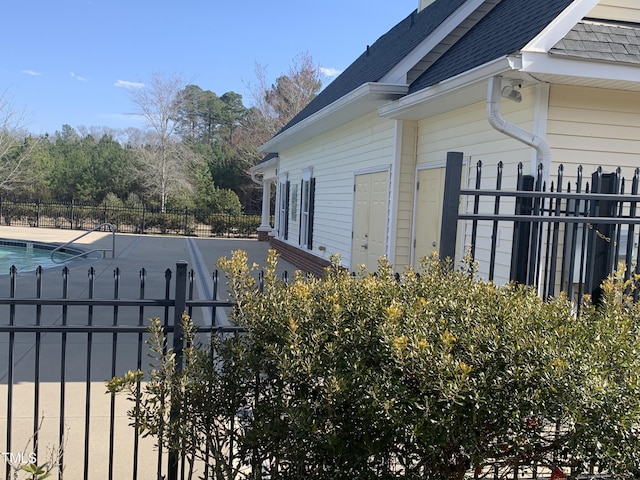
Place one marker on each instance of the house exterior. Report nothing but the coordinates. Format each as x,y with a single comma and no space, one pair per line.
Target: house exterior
360,171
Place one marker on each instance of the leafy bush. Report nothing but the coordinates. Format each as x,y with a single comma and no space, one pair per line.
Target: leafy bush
434,376
18,212
226,201
165,222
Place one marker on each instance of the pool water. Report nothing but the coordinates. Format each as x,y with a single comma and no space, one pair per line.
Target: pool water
27,256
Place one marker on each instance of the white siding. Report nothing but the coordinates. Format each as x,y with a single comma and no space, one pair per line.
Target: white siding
594,127
364,144
621,10
405,196
467,130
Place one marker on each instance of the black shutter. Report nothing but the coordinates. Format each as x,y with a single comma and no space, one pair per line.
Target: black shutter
286,210
300,213
312,201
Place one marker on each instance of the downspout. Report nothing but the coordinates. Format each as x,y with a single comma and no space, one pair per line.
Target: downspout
255,180
497,121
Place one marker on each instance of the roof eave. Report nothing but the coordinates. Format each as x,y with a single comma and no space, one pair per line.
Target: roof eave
262,166
455,92
578,71
358,102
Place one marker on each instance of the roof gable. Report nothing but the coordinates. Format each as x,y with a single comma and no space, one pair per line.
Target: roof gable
509,27
380,57
601,41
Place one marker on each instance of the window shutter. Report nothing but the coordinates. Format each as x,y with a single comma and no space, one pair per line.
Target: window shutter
286,209
312,201
301,209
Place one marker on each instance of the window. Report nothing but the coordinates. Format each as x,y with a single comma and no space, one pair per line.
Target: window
284,188
307,199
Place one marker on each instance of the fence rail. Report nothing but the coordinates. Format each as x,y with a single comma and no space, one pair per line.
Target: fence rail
85,216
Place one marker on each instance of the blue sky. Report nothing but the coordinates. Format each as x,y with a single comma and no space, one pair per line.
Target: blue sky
63,61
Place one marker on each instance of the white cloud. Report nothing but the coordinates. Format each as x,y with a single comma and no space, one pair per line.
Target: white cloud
128,84
32,73
78,77
330,72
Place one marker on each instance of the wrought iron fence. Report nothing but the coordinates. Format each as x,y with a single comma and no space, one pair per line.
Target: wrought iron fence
58,351
84,216
564,238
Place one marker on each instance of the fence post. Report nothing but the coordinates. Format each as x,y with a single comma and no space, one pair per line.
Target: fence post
601,236
450,206
179,310
142,224
522,231
71,213
186,221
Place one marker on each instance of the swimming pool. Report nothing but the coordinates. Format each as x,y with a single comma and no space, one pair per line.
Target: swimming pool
27,256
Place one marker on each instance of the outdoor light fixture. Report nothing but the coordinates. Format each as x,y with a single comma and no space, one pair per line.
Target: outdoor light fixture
512,92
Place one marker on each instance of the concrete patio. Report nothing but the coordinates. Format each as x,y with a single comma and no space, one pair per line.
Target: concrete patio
155,254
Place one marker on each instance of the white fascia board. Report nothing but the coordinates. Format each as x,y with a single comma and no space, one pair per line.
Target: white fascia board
365,98
264,167
402,108
560,26
543,63
399,73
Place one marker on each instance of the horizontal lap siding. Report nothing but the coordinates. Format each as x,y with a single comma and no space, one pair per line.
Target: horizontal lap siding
594,127
405,195
367,143
622,10
467,130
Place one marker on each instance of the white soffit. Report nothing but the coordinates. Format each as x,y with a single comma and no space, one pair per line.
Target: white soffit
572,71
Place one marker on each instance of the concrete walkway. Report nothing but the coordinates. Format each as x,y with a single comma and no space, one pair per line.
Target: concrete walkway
154,254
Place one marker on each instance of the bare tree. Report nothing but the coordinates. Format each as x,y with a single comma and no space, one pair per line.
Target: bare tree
164,161
281,101
16,146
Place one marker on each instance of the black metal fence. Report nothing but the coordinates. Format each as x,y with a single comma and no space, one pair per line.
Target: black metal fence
85,216
58,350
564,238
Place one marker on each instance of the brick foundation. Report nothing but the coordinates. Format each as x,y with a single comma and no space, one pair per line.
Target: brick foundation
263,236
305,261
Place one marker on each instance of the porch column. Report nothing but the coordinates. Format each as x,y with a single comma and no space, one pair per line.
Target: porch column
265,227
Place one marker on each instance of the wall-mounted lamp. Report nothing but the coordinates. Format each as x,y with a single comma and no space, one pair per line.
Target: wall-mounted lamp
512,92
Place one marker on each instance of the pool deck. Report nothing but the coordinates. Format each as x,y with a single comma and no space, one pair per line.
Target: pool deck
155,254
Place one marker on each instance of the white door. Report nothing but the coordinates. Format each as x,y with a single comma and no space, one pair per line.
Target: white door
370,214
428,213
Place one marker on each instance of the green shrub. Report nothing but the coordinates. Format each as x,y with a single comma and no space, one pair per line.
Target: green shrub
434,376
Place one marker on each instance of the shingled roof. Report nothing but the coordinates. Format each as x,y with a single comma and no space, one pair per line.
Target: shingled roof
380,57
504,30
598,41
510,26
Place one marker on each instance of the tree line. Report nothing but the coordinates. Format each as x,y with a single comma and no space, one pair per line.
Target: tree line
194,151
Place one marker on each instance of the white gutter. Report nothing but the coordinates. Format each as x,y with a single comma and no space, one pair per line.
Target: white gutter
497,121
